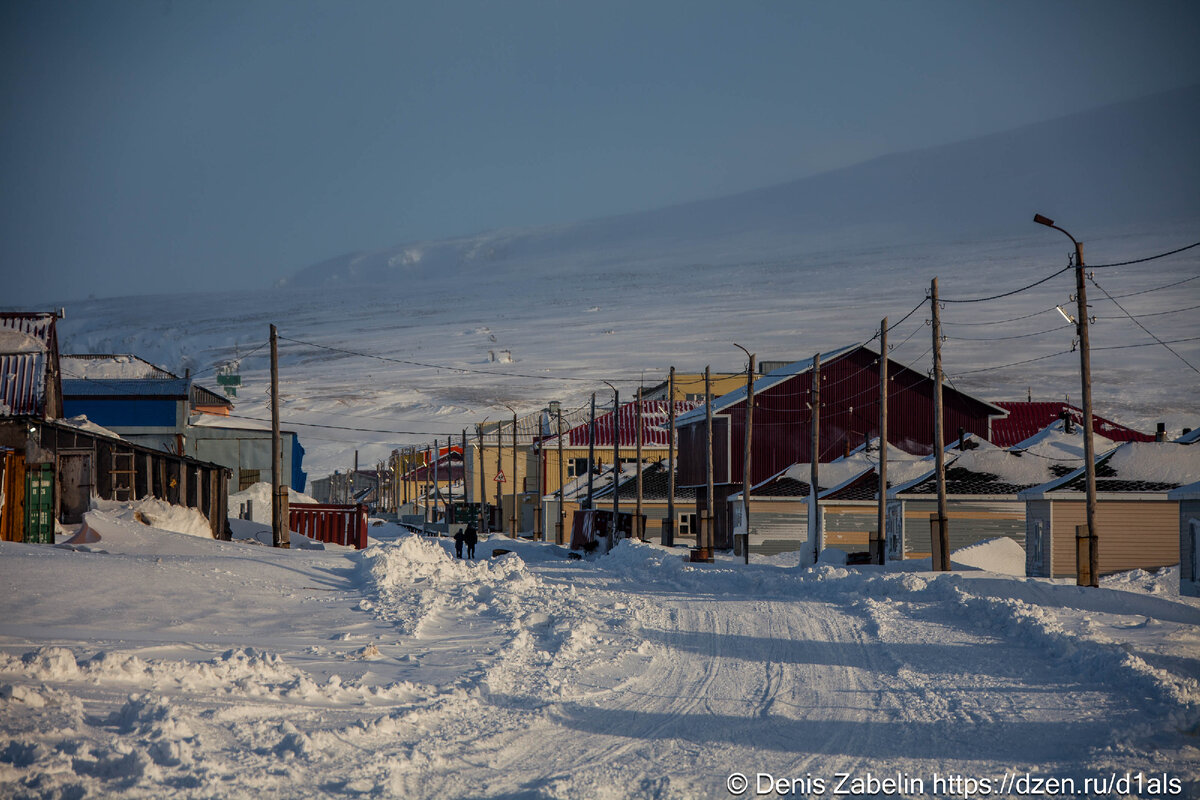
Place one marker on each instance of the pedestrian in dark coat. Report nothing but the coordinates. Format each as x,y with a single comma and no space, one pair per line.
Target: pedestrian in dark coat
471,537
459,538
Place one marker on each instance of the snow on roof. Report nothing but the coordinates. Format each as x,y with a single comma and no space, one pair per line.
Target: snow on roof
1191,437
84,424
15,341
1054,442
122,366
1134,467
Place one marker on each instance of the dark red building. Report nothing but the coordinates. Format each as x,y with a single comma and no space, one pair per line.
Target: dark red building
849,416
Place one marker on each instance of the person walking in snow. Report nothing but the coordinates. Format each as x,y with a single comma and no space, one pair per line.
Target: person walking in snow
471,538
458,543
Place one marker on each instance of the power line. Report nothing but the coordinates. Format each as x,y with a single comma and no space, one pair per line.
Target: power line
1149,344
1004,321
1008,294
1005,338
345,428
1143,260
1158,288
1150,314
455,369
960,373
1144,328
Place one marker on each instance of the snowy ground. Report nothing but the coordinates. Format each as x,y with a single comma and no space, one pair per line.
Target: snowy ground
569,328
154,664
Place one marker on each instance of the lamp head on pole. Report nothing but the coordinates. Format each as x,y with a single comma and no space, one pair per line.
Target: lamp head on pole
1040,220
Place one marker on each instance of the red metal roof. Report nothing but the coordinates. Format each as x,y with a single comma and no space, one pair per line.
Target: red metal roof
1026,419
656,415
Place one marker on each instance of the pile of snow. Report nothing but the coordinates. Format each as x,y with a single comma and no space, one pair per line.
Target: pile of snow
1001,555
119,530
259,495
159,514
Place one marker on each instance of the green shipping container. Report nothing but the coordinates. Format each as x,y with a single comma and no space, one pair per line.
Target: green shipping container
39,504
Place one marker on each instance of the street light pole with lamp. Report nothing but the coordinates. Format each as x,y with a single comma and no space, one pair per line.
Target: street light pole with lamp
1092,577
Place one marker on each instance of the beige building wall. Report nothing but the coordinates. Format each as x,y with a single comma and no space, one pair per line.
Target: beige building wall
1133,534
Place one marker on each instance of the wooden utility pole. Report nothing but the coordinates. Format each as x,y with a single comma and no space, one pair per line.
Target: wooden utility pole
280,528
499,472
562,514
1089,446
668,532
616,418
704,537
483,523
425,508
591,448
746,452
814,512
1088,539
939,532
516,513
637,517
538,532
437,490
878,541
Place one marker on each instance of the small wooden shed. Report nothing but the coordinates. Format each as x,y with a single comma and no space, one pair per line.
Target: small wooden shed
1137,521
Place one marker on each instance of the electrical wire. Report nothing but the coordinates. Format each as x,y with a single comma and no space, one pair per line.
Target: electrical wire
1005,338
1003,321
1144,328
465,370
1006,294
1142,260
1149,344
1152,313
1157,288
960,373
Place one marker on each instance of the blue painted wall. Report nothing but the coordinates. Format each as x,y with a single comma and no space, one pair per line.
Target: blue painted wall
299,476
123,413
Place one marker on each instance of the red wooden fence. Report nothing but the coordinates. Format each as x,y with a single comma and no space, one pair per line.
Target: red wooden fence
336,524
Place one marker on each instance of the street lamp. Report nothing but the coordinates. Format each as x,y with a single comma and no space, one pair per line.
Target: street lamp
1089,448
746,452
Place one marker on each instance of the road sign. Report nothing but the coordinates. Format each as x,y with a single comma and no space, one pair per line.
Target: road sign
500,477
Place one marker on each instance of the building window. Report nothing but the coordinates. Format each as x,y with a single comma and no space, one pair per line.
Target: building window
576,467
686,525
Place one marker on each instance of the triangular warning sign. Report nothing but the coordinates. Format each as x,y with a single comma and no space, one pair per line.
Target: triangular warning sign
500,477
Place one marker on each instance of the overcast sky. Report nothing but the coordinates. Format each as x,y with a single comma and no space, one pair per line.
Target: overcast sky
166,146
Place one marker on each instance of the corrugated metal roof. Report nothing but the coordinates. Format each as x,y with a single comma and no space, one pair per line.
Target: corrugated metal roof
22,384
146,387
655,418
1026,419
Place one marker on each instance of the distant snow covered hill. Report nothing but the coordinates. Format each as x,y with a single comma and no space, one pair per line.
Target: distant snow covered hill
624,299
1124,164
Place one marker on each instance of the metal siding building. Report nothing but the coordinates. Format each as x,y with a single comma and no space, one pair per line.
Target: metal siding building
849,416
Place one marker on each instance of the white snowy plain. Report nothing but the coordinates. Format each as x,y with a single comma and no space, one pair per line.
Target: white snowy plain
153,663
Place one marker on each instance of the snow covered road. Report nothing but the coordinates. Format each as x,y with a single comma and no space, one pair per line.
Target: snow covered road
228,670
